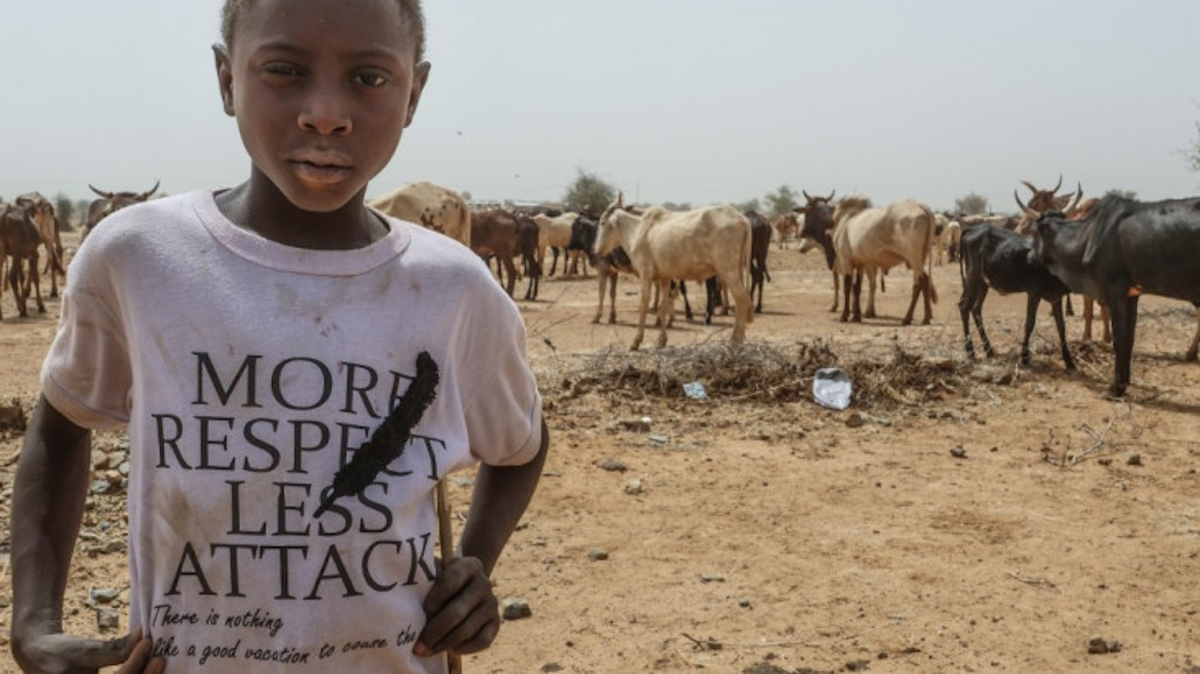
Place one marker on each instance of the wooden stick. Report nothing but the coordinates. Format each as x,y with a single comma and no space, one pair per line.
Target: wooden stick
446,543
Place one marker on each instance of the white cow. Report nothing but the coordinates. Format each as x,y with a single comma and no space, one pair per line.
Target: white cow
432,206
689,245
554,232
867,239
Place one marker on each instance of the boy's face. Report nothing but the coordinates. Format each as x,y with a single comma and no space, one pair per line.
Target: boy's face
322,90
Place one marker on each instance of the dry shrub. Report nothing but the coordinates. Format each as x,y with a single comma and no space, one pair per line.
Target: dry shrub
756,372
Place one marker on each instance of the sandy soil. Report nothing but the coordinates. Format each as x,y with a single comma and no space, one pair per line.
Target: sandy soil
956,517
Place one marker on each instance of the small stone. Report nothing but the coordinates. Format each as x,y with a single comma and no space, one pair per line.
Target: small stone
107,619
1100,646
634,487
958,452
612,465
744,602
515,609
103,595
657,438
855,420
1134,460
597,555
114,477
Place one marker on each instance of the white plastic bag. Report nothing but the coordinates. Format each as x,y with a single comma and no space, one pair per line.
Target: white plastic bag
832,388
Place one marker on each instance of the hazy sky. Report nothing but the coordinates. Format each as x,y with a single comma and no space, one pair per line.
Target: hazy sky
696,101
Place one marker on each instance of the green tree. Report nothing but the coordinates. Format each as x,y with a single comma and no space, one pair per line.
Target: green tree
588,194
64,208
972,204
748,205
781,201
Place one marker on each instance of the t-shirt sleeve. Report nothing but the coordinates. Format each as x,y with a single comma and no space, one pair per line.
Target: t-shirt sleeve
87,374
503,406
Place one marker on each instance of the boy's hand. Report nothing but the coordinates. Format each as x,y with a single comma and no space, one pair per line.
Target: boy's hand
462,612
67,654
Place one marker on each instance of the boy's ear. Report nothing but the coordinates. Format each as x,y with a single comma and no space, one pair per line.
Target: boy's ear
224,77
420,77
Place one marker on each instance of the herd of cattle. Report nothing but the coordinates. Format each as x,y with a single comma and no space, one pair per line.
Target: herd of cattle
1111,250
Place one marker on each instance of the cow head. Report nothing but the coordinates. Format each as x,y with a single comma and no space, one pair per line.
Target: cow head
818,219
111,202
1050,231
610,225
1045,201
39,209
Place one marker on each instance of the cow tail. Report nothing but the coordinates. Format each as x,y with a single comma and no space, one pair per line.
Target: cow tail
929,237
745,269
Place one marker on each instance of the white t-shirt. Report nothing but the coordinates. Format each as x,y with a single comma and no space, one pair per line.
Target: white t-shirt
247,373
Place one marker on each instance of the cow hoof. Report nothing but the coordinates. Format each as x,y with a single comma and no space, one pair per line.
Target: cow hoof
857,319
1115,392
1190,356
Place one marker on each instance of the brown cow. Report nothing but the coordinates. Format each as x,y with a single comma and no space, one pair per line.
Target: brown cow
19,241
787,226
109,203
494,234
41,213
432,206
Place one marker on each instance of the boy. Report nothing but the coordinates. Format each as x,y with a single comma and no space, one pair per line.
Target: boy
252,340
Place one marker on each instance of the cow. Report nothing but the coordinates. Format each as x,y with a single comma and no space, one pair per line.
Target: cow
760,245
997,258
787,225
431,206
1119,251
19,241
817,230
554,232
690,245
581,243
940,231
527,248
868,239
41,214
954,231
109,203
494,234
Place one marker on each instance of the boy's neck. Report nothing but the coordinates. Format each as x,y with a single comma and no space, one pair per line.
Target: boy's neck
256,205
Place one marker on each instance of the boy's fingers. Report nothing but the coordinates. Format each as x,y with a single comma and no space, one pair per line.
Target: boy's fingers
140,662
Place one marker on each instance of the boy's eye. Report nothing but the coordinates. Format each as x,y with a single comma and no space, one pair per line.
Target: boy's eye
282,69
371,79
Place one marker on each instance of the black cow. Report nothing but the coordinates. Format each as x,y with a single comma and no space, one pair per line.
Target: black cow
995,257
583,239
1121,250
760,245
527,248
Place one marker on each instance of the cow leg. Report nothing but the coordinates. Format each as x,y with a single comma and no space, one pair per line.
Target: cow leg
872,275
1193,350
1031,306
835,291
643,305
14,282
846,284
666,310
35,279
1088,307
1124,324
600,304
612,299
743,307
918,288
857,311
1060,324
966,302
1070,309
1106,319
977,313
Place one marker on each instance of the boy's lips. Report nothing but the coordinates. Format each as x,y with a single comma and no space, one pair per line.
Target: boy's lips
323,167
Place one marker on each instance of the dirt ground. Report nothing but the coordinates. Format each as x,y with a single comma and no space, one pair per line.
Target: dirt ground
956,518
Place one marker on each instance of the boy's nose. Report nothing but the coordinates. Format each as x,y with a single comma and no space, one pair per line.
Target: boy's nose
324,114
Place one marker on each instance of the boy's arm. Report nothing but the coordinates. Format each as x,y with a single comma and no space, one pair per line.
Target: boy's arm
501,495
49,494
462,610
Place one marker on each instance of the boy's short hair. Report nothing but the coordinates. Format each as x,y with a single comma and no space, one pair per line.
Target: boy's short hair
410,12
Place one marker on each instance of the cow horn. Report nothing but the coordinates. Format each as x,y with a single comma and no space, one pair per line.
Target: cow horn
106,195
1075,199
1032,214
1055,190
146,195
806,195
830,197
1028,184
